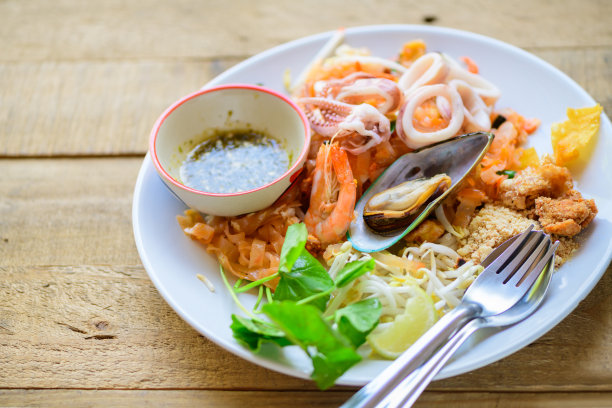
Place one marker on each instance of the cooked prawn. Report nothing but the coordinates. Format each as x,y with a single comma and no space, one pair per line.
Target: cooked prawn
334,192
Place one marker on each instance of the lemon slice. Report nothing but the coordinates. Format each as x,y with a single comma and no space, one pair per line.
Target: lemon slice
420,314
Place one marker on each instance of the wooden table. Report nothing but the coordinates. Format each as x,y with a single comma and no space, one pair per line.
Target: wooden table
81,84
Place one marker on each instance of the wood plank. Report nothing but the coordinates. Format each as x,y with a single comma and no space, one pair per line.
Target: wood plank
106,326
71,30
67,212
296,399
590,68
83,108
108,108
78,311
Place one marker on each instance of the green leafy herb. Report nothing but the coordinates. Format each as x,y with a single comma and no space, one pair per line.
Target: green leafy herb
393,126
307,278
297,309
357,320
253,333
295,241
331,352
353,270
509,173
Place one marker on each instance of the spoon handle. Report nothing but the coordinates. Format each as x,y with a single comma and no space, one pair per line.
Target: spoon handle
409,390
376,390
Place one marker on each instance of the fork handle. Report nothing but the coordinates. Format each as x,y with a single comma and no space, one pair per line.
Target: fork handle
409,390
377,389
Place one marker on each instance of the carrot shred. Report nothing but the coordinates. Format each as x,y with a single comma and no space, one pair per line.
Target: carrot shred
427,117
531,125
471,65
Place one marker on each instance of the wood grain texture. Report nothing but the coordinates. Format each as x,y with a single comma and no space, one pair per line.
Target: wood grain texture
106,326
67,212
114,29
91,108
295,399
94,82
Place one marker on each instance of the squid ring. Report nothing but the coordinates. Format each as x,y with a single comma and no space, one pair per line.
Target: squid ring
428,69
414,138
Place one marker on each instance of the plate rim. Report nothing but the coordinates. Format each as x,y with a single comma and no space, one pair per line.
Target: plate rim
448,371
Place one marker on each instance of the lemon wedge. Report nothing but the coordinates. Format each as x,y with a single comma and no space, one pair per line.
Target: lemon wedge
393,339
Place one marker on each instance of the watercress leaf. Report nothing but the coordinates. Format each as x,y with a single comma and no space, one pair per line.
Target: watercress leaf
253,333
307,277
331,352
295,240
353,270
357,320
327,368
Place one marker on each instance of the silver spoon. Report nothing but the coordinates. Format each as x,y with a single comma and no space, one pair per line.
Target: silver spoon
502,284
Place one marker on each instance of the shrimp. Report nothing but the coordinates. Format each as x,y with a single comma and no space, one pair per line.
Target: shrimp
334,192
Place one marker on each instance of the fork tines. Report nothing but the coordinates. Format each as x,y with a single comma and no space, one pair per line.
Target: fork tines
527,259
517,267
522,257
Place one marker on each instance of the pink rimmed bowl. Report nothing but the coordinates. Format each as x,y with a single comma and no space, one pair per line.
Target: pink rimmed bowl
188,121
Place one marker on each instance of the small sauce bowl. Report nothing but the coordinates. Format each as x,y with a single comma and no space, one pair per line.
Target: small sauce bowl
193,118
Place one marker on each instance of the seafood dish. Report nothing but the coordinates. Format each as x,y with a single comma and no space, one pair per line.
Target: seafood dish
414,175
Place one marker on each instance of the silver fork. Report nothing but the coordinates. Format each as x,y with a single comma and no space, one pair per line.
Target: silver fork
501,285
411,388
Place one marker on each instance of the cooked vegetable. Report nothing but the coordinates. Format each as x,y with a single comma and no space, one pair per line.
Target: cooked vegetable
509,173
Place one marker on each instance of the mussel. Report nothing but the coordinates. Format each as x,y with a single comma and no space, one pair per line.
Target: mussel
411,188
397,206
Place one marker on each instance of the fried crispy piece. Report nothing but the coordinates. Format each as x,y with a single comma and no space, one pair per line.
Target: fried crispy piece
427,231
547,180
565,216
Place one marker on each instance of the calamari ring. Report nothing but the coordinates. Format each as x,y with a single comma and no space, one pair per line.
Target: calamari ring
476,112
414,138
367,88
428,69
485,89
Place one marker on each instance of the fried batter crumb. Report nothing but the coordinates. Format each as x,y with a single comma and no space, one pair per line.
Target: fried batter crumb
494,224
566,248
491,226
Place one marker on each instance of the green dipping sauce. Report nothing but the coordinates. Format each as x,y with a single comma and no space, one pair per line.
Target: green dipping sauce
234,161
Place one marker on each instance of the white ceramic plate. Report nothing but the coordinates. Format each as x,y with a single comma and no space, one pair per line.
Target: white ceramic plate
529,85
